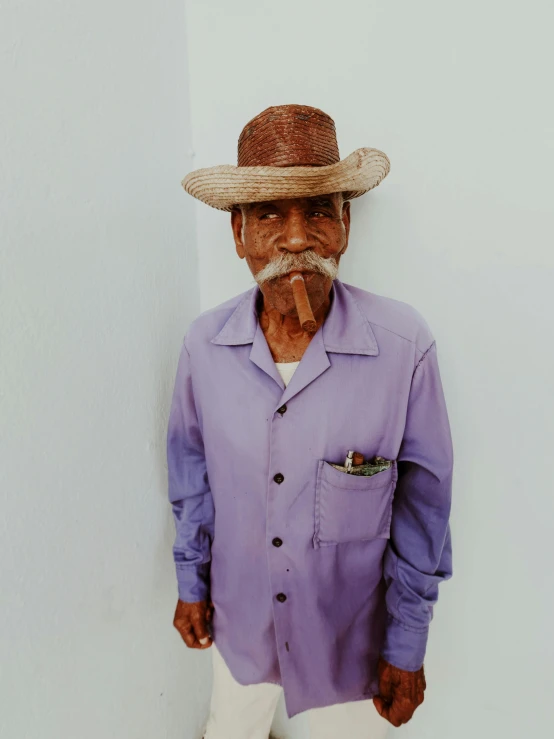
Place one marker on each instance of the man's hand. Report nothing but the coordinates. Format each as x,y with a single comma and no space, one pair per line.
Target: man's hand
400,692
191,621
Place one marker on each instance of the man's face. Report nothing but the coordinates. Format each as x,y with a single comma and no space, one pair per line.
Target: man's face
305,234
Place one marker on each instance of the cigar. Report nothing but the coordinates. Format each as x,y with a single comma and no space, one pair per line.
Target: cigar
302,302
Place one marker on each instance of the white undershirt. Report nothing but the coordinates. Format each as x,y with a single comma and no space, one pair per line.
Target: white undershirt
286,370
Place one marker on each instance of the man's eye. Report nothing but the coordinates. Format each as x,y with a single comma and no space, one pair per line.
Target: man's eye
318,213
269,215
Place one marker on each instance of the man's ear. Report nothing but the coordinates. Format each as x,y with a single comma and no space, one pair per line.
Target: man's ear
236,225
346,222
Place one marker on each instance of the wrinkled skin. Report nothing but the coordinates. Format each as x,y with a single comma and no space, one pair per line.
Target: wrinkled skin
191,621
262,231
400,692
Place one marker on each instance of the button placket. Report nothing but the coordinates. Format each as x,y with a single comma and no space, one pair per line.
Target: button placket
278,561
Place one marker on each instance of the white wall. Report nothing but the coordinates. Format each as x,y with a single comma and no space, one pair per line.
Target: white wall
98,284
458,95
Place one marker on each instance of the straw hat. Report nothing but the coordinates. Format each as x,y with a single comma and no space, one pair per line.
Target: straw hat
287,151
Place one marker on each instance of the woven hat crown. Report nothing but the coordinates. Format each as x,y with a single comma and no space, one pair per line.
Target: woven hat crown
287,151
288,136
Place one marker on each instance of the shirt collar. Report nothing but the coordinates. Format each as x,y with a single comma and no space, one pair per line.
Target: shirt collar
346,329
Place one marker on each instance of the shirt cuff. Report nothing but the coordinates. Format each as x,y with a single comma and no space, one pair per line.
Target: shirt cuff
403,647
193,582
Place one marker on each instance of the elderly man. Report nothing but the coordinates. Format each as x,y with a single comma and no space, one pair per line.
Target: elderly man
309,455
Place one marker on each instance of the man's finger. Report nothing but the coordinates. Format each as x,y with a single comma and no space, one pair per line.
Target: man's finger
383,708
187,634
199,626
182,625
402,710
396,717
186,631
386,685
189,637
420,690
205,642
379,704
397,713
200,631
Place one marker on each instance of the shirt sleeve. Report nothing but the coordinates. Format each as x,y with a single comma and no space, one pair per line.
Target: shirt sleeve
418,555
189,490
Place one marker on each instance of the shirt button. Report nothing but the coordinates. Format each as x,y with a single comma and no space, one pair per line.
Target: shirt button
277,542
279,478
282,409
281,597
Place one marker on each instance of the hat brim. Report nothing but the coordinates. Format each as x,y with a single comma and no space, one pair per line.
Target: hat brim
224,186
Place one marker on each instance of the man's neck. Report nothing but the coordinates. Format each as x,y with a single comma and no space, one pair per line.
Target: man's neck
285,337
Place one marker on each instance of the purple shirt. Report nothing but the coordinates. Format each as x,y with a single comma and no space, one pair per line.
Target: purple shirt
313,572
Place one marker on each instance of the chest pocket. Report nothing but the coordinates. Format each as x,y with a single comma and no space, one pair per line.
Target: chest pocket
351,507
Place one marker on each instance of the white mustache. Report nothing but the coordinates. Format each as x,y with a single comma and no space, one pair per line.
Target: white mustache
303,261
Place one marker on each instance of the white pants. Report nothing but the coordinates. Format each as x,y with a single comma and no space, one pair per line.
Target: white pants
246,711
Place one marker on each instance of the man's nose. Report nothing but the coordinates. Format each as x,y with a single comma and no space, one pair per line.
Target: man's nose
295,238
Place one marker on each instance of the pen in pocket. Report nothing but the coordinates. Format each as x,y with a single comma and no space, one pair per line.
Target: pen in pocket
355,464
